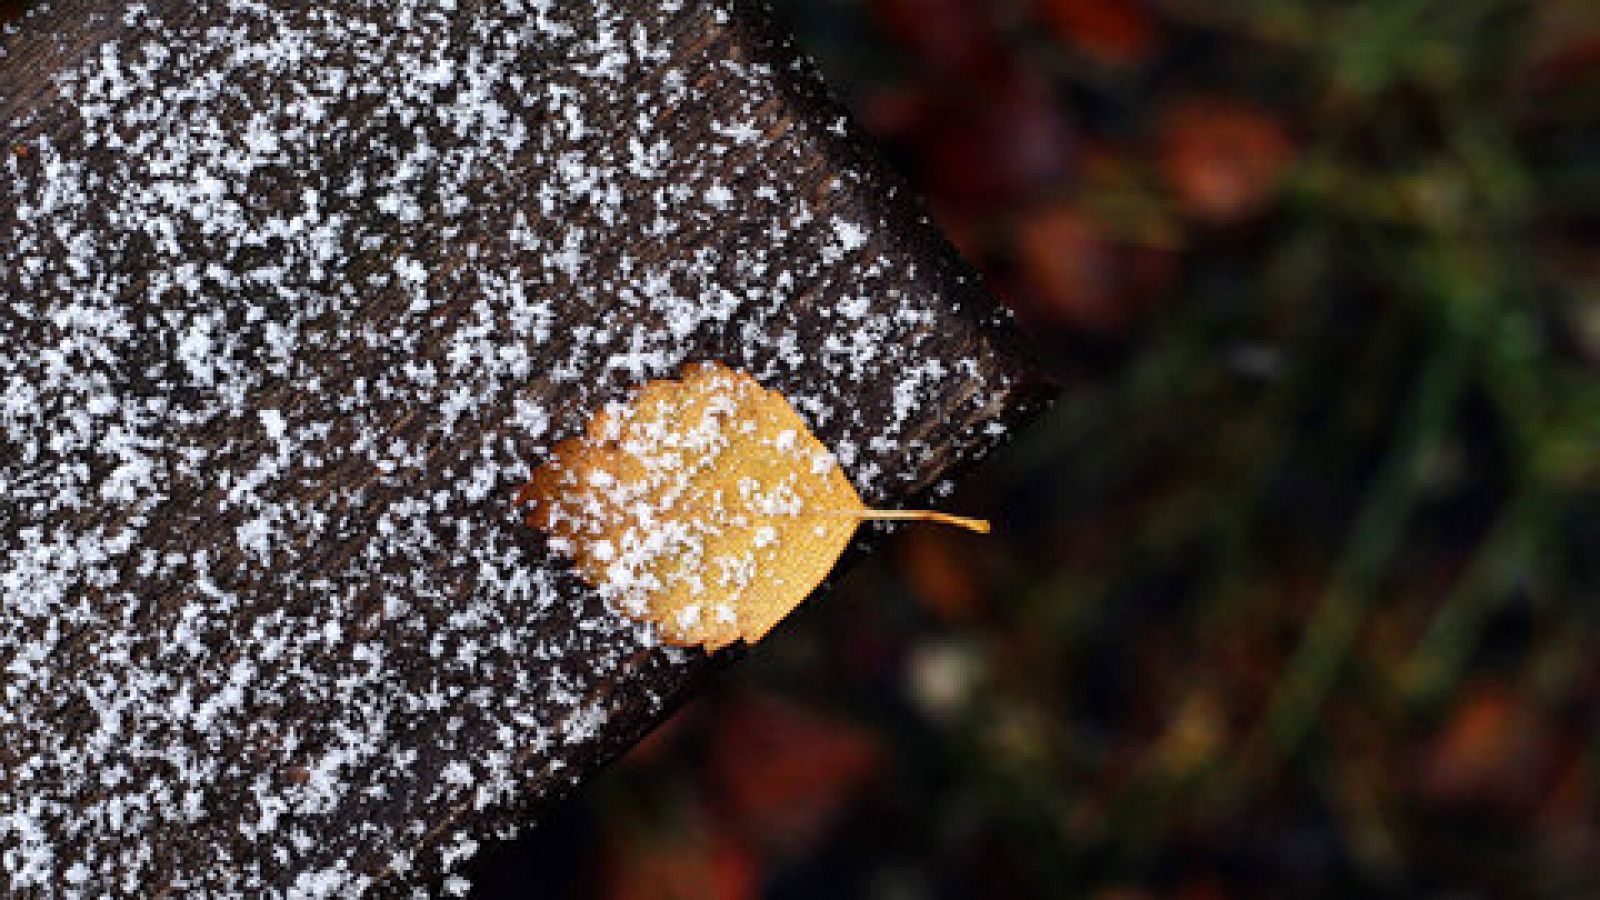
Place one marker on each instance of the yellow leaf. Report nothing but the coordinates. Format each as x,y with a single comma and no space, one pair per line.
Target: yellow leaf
705,506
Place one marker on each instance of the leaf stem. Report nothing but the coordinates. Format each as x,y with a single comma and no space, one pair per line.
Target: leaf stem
981,526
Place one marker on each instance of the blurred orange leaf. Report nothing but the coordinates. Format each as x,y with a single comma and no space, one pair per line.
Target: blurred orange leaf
942,575
680,863
784,772
1075,276
1486,736
1223,159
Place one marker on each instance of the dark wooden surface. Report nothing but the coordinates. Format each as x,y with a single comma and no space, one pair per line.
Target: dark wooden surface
290,300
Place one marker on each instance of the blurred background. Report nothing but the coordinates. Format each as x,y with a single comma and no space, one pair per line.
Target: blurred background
1294,592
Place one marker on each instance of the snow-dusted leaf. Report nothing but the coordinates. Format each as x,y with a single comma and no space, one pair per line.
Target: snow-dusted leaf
705,506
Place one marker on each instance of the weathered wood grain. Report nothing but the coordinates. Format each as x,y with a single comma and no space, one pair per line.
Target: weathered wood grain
290,300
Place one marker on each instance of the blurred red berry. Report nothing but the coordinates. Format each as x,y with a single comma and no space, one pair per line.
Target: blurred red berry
1119,32
982,150
951,36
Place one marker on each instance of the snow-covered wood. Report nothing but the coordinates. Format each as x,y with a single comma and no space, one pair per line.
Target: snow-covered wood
292,297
